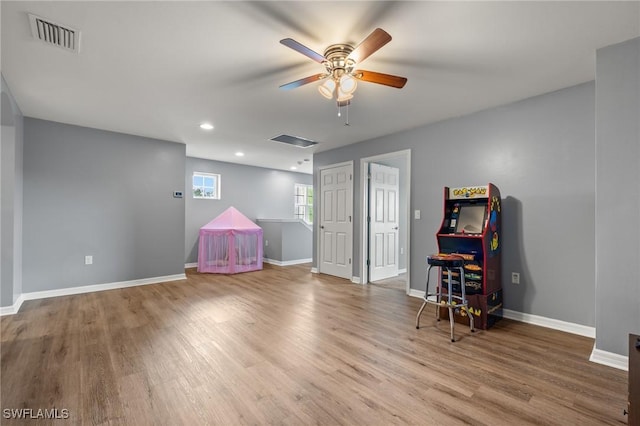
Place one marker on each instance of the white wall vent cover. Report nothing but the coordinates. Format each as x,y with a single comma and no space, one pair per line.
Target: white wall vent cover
55,34
295,141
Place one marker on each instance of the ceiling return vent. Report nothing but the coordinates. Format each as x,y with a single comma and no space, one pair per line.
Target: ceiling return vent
54,34
294,140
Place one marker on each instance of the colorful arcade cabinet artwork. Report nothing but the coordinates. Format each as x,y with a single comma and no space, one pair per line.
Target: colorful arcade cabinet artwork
471,227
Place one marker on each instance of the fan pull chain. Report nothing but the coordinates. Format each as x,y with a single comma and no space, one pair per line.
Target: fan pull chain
346,123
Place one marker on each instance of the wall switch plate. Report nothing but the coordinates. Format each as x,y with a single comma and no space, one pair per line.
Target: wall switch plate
88,260
416,214
401,250
515,278
266,243
177,194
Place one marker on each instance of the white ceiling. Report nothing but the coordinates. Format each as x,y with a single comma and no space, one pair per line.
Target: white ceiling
159,69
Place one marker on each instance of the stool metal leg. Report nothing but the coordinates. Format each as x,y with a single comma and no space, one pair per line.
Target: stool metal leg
450,303
465,302
420,313
451,322
438,293
426,295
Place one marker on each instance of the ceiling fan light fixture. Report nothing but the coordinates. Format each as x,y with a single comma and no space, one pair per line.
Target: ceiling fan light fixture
339,61
348,84
327,88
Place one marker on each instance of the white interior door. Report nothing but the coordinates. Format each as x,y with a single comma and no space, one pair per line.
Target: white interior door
336,230
384,188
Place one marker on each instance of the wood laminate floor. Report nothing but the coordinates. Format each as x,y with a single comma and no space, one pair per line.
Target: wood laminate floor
397,283
284,346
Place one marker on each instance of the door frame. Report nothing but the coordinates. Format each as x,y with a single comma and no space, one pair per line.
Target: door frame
316,219
364,210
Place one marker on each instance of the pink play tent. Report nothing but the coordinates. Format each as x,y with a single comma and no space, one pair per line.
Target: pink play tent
229,244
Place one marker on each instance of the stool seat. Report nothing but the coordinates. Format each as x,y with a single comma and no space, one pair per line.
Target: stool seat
447,299
446,260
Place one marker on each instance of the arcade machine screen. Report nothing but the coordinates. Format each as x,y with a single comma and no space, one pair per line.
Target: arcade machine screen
471,219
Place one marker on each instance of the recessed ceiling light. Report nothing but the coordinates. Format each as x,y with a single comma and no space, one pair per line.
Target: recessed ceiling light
294,168
239,154
206,126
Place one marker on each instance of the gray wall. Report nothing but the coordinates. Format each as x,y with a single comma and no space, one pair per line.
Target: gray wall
257,192
617,195
11,149
296,241
286,240
540,152
272,239
99,193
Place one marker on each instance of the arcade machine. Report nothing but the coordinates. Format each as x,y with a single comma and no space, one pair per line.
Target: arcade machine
471,227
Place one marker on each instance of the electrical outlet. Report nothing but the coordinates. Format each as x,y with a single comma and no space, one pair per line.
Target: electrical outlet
266,243
88,260
515,278
416,214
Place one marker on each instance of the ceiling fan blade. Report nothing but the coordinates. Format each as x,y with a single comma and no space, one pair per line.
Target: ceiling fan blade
289,42
303,81
370,45
379,78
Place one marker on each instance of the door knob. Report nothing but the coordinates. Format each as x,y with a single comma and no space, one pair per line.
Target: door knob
321,226
396,228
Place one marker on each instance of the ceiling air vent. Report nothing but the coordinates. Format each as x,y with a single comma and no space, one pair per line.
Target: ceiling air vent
55,34
295,140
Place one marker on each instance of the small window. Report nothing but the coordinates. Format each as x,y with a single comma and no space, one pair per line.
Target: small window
303,206
206,185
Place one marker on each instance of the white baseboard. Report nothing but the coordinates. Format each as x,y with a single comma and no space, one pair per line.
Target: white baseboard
286,262
91,288
13,309
190,265
402,271
355,280
598,356
416,293
569,327
610,359
314,270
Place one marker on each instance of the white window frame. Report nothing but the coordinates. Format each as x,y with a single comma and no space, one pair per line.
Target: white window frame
305,206
216,187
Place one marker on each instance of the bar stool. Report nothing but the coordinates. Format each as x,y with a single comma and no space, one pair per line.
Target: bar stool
454,302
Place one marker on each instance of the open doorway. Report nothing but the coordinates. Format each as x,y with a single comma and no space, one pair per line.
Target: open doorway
385,208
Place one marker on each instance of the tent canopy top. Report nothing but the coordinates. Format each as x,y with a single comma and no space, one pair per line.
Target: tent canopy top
230,219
